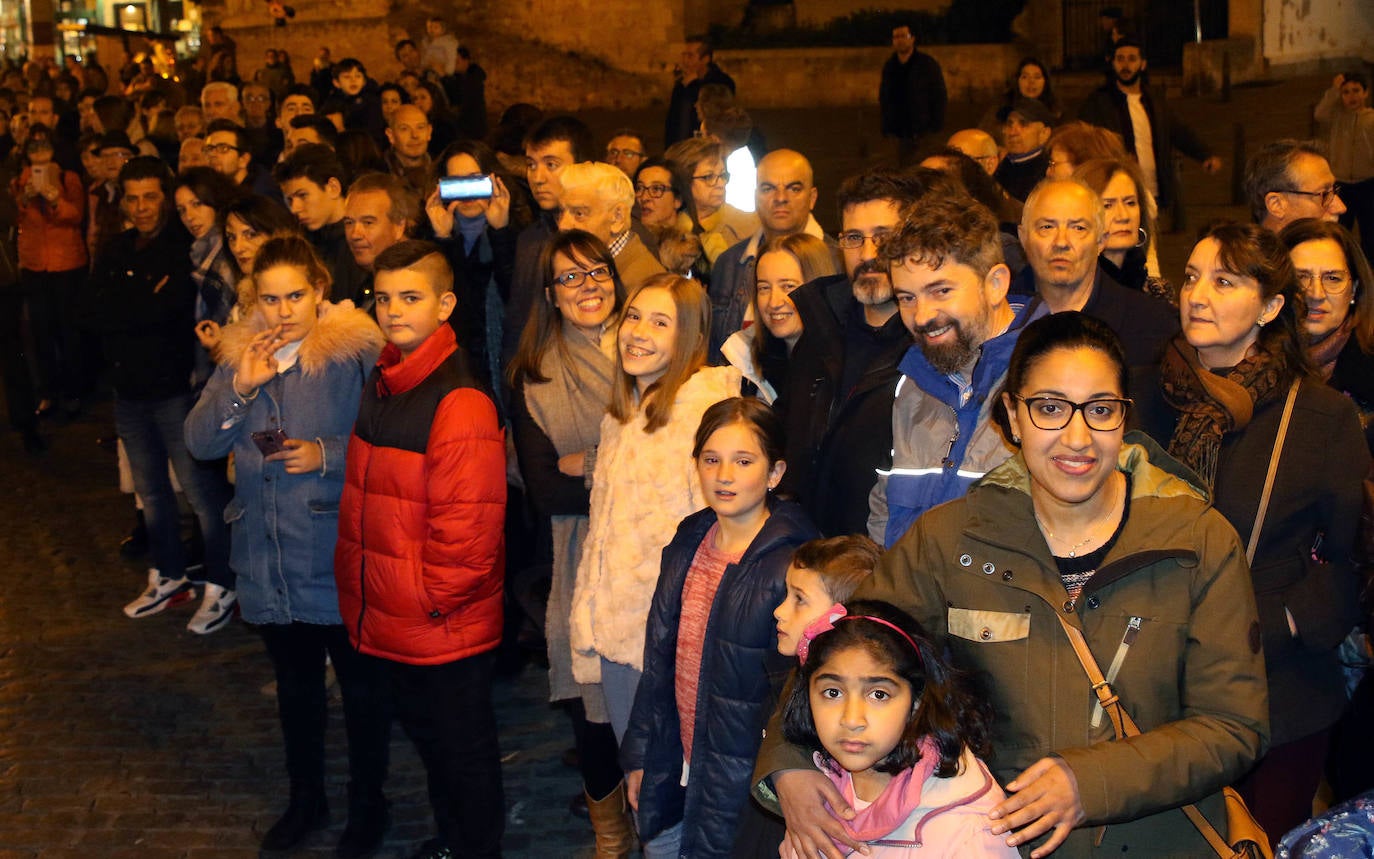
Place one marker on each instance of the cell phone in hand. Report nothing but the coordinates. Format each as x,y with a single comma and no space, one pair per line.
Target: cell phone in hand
270,441
465,188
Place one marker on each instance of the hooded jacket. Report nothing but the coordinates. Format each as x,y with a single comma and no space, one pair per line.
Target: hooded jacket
734,694
284,526
421,554
978,571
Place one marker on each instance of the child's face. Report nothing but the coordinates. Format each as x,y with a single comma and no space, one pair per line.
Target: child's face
1352,95
648,335
350,82
860,708
807,599
408,308
735,473
288,299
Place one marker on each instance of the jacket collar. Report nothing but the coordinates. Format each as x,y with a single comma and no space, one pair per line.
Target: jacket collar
400,375
993,359
812,228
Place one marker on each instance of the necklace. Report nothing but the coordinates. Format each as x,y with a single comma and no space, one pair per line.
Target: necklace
1092,530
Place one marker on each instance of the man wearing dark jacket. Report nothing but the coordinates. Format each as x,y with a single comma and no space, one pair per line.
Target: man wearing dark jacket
912,95
1143,119
697,67
836,401
142,303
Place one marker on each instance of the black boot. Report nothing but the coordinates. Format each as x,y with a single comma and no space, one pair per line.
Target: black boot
305,814
368,819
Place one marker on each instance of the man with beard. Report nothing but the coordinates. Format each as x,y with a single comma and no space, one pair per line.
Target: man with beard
1063,229
784,195
1148,127
950,284
836,399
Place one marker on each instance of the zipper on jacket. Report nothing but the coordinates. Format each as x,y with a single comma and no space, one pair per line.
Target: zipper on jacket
949,446
1127,639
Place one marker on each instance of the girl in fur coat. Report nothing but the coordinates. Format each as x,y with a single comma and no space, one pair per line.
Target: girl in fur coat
283,399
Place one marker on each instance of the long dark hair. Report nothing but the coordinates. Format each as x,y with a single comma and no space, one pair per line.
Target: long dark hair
946,709
544,328
210,187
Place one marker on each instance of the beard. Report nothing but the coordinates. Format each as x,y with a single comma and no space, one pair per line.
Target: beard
1128,80
870,283
953,357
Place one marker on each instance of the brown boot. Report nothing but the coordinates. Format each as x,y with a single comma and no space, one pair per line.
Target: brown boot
615,834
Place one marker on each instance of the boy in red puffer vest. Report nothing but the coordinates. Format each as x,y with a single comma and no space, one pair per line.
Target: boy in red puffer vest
420,557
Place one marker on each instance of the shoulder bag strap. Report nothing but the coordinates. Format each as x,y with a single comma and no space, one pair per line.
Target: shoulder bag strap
1125,726
1273,472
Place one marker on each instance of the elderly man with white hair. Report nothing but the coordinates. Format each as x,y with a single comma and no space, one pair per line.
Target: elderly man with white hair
598,198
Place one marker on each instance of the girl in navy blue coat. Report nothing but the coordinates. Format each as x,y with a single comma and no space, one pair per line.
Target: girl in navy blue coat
710,654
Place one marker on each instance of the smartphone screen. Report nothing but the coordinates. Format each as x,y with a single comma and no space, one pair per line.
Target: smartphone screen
464,188
270,441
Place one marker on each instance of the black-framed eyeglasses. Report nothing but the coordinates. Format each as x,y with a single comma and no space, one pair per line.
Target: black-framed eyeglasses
1324,196
623,153
575,279
713,178
852,239
221,148
655,190
1329,282
1054,413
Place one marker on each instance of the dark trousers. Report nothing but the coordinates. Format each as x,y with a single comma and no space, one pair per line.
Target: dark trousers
51,297
152,432
20,398
446,711
1280,789
298,651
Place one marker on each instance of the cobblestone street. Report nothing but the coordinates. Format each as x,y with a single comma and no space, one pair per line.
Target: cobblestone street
123,738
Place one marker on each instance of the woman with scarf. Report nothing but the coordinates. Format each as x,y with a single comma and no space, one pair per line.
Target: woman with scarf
561,376
201,196
1336,279
1229,375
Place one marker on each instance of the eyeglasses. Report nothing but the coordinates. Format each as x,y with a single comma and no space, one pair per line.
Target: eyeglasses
854,239
1053,413
713,178
221,148
1324,196
257,99
1329,282
654,191
575,279
613,154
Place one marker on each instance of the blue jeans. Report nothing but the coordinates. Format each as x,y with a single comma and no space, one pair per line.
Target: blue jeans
666,844
152,434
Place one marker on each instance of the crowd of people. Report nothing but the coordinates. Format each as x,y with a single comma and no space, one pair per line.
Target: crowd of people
821,517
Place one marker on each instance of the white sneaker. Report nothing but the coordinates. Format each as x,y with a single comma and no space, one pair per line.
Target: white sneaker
216,609
157,596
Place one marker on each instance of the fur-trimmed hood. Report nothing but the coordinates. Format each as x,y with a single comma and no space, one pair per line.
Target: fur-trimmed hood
342,332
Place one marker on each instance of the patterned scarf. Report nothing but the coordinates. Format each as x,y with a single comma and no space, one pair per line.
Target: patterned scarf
1325,351
1211,405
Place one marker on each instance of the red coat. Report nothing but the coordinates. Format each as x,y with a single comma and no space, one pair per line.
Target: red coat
421,552
50,236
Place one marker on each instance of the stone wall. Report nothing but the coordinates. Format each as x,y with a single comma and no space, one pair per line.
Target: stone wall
1304,31
800,77
627,34
818,13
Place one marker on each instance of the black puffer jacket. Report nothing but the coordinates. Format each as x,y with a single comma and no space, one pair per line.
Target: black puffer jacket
741,674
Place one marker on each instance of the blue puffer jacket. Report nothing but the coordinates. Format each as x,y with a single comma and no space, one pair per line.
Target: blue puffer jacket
285,525
741,672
